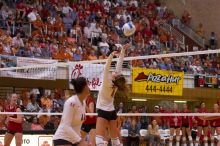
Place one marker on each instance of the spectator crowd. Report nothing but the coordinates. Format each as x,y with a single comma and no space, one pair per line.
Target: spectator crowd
89,29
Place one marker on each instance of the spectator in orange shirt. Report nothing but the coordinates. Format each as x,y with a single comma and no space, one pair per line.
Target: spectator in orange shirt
163,38
200,30
92,55
139,40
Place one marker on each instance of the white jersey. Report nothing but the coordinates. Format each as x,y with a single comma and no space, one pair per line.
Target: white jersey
72,119
107,92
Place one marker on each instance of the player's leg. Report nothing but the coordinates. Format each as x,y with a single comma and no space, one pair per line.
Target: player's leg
184,133
171,136
92,135
198,135
18,139
213,135
205,130
188,130
177,136
8,138
114,133
218,133
101,126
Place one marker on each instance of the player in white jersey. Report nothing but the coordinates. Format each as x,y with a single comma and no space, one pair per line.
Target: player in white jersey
68,132
105,103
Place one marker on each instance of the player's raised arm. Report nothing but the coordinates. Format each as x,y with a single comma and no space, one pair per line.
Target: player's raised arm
121,58
107,68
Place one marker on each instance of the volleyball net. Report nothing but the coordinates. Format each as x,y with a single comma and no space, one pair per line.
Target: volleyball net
156,84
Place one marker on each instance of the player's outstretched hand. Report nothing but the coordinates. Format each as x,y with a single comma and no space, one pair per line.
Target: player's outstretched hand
114,53
127,46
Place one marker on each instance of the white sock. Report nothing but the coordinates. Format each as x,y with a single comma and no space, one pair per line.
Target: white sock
206,141
177,140
184,141
99,140
197,141
190,140
115,141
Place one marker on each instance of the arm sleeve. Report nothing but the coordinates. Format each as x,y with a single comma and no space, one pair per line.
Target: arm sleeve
107,69
120,61
68,118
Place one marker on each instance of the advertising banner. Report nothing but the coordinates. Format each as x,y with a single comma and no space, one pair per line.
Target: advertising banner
92,72
158,82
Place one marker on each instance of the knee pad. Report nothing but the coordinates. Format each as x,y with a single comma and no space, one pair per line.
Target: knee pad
205,138
105,143
190,138
115,141
184,138
99,140
178,138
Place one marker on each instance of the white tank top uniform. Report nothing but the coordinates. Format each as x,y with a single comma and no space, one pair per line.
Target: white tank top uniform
107,92
71,122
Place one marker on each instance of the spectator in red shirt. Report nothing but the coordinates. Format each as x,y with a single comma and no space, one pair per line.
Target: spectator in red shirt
21,10
186,18
147,33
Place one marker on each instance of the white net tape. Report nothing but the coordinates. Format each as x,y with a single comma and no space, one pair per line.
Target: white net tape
125,59
120,114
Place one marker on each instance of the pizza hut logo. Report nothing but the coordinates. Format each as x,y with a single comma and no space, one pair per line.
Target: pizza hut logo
45,143
157,78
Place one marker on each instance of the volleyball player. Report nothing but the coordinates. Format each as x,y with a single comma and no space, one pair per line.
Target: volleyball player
105,103
89,125
215,125
175,124
186,126
14,122
68,132
202,126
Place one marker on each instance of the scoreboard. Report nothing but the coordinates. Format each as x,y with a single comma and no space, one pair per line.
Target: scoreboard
208,81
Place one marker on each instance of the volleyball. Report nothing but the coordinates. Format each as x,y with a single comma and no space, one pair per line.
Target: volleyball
128,29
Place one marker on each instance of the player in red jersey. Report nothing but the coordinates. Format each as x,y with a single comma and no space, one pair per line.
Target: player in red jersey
89,125
202,125
14,122
215,125
186,126
175,123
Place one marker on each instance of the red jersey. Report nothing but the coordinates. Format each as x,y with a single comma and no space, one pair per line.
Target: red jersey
186,120
199,121
12,126
90,120
175,121
215,122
